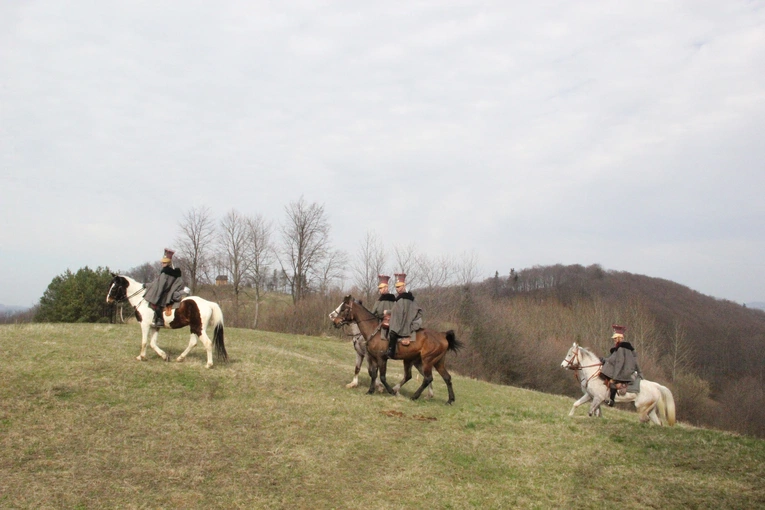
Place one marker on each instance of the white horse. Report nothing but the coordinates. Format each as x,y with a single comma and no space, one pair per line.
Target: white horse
360,346
195,312
654,402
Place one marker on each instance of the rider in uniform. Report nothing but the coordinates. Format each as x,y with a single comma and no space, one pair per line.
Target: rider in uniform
384,304
620,367
165,289
405,317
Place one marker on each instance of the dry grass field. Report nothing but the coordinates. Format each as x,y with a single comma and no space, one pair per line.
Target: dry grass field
85,425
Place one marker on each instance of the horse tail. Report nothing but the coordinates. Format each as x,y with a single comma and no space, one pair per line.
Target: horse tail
669,404
217,322
454,344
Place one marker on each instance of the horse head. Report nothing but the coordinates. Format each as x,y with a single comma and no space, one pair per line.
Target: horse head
343,314
117,289
572,360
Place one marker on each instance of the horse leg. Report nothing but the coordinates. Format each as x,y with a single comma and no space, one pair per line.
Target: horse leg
383,380
427,378
597,399
585,398
441,367
192,343
407,376
418,366
372,369
645,409
208,346
153,343
144,341
359,361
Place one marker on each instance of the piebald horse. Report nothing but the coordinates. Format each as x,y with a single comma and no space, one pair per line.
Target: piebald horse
428,348
194,312
654,402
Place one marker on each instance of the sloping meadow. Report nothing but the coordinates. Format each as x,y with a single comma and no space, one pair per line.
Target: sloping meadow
85,425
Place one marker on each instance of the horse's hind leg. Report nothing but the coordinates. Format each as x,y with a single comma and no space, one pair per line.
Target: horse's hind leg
407,376
418,366
427,378
441,367
192,343
208,347
647,412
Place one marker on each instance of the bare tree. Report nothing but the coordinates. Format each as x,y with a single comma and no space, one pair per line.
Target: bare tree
681,355
434,272
234,242
406,262
261,256
195,243
370,262
466,270
146,272
305,245
332,270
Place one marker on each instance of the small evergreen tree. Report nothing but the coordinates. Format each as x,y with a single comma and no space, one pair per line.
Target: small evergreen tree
77,297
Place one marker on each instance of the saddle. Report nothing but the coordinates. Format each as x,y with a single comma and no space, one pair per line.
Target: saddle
622,388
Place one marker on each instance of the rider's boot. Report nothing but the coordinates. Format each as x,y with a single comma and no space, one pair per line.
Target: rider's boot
610,401
159,321
392,341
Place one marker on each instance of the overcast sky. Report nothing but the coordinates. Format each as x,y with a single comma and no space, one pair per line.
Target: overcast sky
621,133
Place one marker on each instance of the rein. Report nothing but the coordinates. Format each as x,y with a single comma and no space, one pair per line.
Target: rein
579,367
357,321
127,298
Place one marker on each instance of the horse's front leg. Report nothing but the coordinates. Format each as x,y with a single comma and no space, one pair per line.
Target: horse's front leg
585,398
383,371
154,345
359,361
144,341
407,376
372,370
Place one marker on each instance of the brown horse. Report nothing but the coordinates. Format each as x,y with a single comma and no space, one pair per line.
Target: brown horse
426,351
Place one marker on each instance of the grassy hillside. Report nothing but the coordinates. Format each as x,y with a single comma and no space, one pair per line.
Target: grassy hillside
84,425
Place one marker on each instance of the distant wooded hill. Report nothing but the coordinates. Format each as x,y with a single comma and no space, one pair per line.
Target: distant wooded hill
727,339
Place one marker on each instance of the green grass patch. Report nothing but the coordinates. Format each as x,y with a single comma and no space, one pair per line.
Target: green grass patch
85,425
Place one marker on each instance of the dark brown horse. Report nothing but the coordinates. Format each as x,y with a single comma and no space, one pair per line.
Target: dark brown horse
426,351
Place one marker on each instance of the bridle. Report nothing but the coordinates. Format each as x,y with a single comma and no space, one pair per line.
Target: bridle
127,298
575,364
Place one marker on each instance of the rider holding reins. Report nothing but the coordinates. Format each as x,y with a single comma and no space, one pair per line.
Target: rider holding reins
405,317
620,367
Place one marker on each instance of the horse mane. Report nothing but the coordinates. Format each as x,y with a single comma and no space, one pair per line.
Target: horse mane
588,352
359,303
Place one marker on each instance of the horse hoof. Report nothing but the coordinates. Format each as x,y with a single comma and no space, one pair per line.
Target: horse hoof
351,385
449,402
180,359
209,365
371,392
141,358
